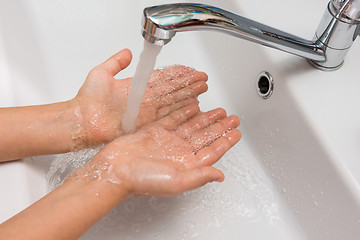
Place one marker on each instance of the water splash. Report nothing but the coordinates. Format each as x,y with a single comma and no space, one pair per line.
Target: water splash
244,198
66,163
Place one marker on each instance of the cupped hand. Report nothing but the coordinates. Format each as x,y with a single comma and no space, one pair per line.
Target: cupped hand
101,101
170,156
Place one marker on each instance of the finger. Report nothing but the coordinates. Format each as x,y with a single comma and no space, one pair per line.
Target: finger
162,112
176,118
167,73
209,134
201,121
196,177
191,91
161,88
211,154
117,62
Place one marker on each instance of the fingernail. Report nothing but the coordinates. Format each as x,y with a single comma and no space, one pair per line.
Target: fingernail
217,180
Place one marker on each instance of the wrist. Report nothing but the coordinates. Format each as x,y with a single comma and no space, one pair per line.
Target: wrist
95,123
76,128
98,193
96,179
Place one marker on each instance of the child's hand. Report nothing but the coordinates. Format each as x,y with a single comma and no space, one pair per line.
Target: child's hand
169,156
101,101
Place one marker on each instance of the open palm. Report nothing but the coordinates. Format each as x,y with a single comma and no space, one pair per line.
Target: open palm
174,154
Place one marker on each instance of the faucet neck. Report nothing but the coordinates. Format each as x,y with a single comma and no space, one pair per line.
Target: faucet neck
337,32
346,10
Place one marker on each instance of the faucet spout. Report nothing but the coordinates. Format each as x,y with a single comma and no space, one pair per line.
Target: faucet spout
336,32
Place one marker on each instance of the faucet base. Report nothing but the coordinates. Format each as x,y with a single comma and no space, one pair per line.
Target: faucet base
325,69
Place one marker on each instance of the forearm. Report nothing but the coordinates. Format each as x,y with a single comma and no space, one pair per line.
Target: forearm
65,213
38,130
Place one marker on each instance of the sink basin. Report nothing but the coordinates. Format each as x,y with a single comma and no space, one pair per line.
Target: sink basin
296,172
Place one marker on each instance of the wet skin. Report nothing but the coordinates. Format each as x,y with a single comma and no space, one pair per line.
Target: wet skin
173,154
102,99
94,116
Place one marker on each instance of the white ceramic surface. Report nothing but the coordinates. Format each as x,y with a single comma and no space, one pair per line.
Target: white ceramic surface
294,175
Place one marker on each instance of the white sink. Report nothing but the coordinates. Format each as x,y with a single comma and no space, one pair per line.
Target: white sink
294,175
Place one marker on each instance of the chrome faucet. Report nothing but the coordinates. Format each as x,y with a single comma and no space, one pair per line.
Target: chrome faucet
336,33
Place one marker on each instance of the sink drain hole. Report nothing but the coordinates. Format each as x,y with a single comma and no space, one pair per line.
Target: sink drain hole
264,85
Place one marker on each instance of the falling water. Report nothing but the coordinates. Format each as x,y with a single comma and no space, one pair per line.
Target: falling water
138,85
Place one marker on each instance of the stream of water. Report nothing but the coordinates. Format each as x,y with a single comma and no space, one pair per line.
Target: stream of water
138,85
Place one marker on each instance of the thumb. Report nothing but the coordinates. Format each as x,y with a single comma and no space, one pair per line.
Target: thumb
197,177
117,62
